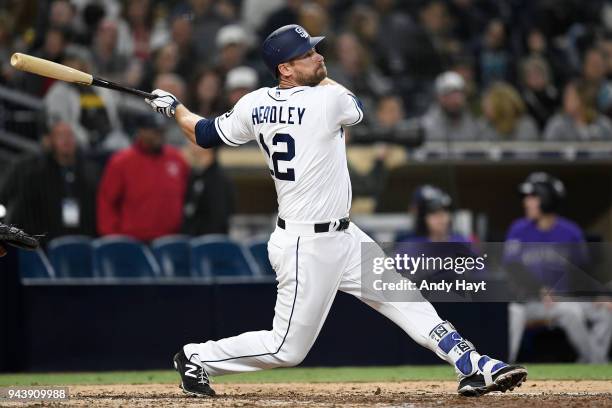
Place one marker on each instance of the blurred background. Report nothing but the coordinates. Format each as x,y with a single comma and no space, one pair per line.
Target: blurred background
485,120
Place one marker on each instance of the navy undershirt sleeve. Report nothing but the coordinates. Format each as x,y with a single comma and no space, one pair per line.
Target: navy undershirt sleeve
206,133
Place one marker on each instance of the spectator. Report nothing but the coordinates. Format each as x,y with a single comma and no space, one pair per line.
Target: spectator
173,135
53,49
504,116
106,58
354,70
254,13
464,66
380,29
283,16
232,45
91,111
495,61
547,265
239,82
390,111
468,20
540,95
143,187
210,198
139,17
364,22
537,45
314,19
594,73
165,61
208,94
580,120
182,36
435,19
53,193
449,119
207,17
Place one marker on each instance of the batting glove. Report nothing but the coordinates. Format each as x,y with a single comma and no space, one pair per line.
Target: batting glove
165,103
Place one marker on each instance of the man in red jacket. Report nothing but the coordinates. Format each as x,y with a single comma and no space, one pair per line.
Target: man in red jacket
143,187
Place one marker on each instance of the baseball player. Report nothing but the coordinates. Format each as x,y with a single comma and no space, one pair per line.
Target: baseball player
315,248
587,325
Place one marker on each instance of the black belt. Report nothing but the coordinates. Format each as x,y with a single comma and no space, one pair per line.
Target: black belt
343,224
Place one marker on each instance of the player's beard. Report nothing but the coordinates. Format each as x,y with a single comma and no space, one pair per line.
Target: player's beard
312,79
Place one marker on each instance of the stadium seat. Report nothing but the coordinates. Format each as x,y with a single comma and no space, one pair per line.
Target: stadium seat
71,256
123,257
35,265
173,255
259,250
218,256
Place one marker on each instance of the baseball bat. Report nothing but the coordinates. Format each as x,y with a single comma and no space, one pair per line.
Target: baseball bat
46,68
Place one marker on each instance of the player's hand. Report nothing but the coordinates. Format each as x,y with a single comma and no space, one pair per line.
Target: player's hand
165,103
2,251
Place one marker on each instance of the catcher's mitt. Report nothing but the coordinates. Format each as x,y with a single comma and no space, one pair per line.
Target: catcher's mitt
16,237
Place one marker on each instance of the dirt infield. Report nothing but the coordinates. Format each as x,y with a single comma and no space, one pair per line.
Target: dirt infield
401,394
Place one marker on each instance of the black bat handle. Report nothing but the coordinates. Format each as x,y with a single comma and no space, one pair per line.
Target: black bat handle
111,85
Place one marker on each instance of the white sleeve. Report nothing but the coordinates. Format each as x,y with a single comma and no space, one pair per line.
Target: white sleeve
342,108
234,126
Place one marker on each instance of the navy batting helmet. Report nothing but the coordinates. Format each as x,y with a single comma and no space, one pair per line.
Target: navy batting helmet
549,189
427,199
285,44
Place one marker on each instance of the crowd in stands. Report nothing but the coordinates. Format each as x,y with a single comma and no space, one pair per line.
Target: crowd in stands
147,190
473,69
469,69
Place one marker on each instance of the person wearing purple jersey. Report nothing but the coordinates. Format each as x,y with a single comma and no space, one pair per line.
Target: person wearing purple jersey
433,234
588,325
431,208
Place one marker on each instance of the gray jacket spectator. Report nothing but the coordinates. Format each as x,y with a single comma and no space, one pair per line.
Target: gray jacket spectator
504,117
52,192
562,127
539,93
449,118
92,112
580,120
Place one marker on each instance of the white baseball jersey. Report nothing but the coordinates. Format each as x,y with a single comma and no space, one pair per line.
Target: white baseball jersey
299,130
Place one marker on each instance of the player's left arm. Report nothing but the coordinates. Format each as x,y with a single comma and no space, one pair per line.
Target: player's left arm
342,108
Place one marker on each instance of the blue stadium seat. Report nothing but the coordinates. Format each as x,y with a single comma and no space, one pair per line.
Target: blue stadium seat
259,250
218,256
35,265
71,256
173,255
123,257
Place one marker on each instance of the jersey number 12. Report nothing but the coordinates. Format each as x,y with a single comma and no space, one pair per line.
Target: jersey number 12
288,175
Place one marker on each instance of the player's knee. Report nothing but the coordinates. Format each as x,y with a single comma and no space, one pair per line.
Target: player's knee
568,311
291,358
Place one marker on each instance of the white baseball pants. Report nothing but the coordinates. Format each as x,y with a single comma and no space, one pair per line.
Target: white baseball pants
310,269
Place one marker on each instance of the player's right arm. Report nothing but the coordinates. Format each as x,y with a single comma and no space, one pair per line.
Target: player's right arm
228,129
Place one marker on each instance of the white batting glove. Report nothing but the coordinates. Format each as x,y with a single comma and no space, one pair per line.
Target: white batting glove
165,103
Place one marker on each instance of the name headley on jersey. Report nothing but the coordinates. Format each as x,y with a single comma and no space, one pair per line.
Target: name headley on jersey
290,115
